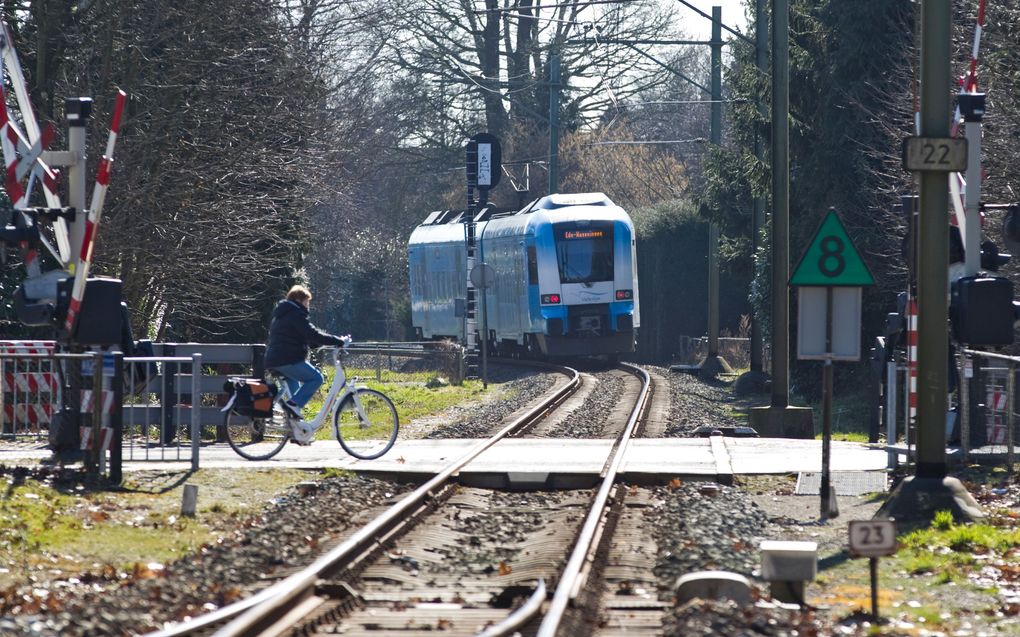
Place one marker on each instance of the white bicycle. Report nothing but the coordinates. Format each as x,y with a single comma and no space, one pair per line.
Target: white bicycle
364,420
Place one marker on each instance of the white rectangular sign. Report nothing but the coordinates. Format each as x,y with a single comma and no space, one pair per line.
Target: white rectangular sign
872,538
484,165
846,323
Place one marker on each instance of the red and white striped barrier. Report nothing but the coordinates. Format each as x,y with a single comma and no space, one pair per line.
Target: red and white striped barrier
32,391
968,84
86,401
912,341
95,214
28,414
27,347
996,416
105,435
48,176
30,382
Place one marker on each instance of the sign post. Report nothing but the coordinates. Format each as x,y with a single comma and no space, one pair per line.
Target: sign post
483,171
873,539
483,276
830,276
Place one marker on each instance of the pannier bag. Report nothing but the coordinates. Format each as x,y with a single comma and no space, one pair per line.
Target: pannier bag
251,397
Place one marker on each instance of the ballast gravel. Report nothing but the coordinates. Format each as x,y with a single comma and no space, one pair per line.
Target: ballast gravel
589,420
290,532
703,526
694,403
523,386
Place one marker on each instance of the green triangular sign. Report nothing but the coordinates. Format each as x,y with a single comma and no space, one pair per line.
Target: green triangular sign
831,259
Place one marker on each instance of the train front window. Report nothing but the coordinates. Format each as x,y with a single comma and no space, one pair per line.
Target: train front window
584,253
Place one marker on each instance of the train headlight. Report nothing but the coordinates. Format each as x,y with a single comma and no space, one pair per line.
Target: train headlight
624,295
550,299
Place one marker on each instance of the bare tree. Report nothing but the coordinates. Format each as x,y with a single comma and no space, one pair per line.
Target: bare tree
489,61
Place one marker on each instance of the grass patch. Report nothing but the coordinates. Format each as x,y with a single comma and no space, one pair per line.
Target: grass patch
71,531
409,392
970,538
944,578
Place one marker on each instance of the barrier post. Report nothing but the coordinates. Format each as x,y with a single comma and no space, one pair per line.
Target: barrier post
117,420
196,408
167,425
1010,406
963,408
97,415
3,421
978,405
890,413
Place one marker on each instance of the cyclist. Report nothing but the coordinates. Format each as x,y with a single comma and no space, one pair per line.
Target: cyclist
290,334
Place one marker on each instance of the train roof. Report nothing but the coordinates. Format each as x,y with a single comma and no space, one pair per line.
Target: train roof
444,226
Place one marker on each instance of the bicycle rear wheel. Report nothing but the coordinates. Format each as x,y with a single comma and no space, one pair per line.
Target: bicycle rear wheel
256,438
370,438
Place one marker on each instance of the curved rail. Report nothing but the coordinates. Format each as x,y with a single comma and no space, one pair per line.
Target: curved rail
251,615
573,577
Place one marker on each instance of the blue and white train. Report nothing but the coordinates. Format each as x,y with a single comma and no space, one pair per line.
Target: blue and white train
565,277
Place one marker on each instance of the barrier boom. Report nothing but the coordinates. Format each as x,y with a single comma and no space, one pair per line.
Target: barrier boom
95,214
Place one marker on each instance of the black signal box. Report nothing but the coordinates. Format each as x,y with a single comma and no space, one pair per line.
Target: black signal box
982,311
99,319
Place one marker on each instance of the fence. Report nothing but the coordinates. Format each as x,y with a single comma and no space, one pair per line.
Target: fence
983,416
693,350
161,407
30,392
988,402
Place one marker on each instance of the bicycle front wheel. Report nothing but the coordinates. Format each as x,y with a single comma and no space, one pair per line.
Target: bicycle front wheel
256,438
369,437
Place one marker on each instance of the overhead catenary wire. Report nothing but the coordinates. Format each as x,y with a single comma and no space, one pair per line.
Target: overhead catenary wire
582,4
638,142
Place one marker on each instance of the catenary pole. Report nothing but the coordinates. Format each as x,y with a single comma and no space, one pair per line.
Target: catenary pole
780,245
933,257
715,136
761,30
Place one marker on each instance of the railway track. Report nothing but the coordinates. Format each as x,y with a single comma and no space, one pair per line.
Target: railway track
447,557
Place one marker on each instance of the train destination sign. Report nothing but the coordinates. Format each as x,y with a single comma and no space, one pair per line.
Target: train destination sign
584,234
831,259
947,154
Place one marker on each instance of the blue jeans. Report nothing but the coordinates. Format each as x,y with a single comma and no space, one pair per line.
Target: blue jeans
302,379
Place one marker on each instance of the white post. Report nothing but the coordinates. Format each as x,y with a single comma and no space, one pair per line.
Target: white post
972,201
890,412
196,408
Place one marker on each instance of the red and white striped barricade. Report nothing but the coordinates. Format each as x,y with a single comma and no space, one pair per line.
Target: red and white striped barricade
29,385
995,420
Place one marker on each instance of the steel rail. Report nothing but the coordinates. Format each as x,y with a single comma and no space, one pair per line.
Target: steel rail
571,580
520,616
251,615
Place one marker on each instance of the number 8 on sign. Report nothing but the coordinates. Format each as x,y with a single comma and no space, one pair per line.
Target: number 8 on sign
831,262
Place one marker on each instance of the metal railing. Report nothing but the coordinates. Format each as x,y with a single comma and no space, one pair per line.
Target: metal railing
30,390
988,403
985,406
166,406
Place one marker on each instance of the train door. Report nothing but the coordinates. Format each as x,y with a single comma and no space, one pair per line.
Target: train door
530,303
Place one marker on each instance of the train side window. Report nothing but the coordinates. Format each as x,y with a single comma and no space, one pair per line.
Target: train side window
532,266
